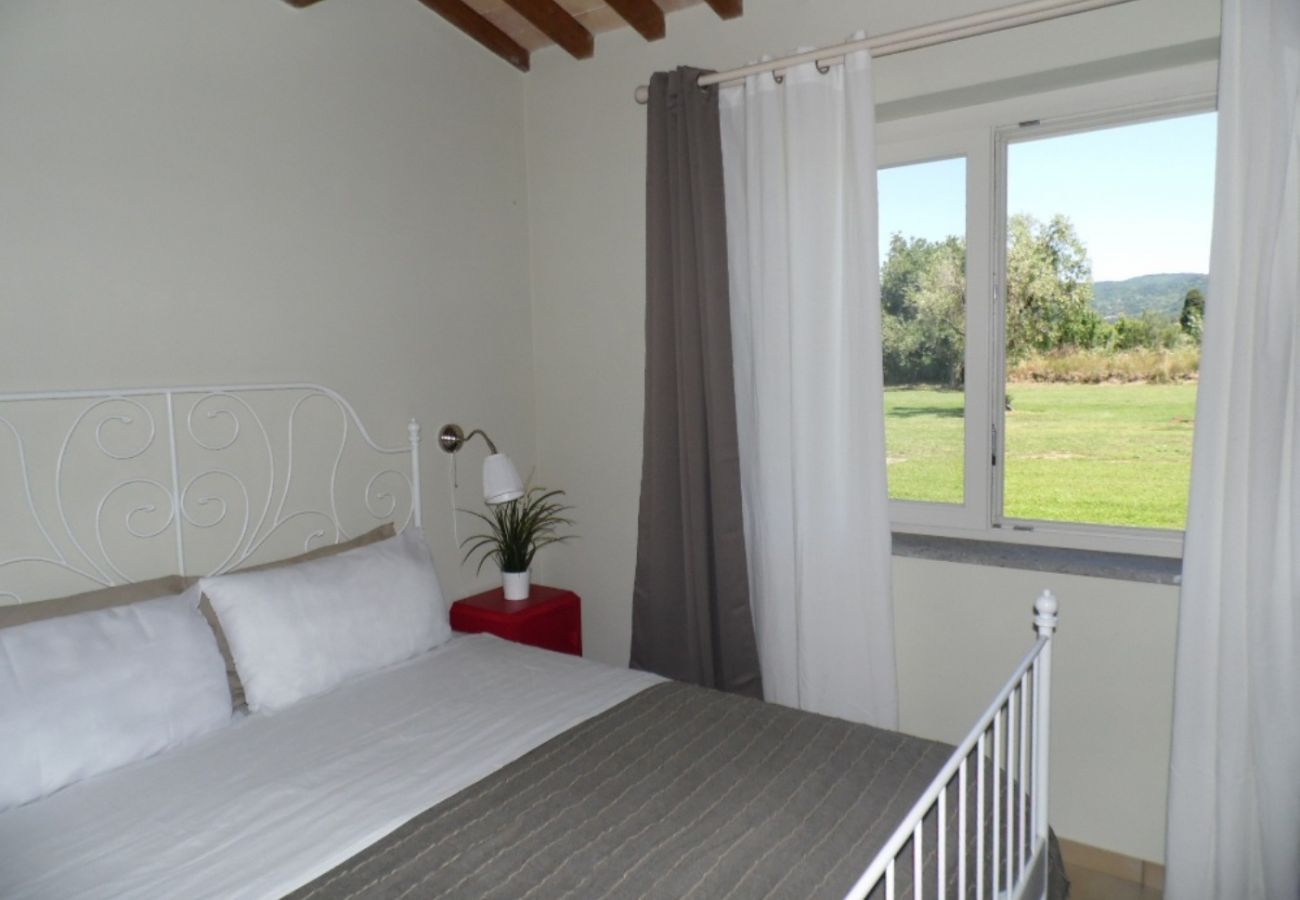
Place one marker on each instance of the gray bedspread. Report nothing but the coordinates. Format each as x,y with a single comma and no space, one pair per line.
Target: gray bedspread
678,792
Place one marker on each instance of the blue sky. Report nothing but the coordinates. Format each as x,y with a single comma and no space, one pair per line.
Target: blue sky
1141,196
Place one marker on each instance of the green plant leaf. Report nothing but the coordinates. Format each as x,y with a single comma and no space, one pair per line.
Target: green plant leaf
516,530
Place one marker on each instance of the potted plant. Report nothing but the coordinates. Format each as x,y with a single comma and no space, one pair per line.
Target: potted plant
517,529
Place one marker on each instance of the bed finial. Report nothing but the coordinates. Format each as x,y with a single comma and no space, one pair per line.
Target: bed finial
1045,608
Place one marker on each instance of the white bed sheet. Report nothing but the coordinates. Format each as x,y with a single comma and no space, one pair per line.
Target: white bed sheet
273,801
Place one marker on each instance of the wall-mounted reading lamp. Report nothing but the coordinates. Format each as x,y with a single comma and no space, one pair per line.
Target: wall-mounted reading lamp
501,481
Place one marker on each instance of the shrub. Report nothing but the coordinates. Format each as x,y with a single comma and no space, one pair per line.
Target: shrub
1149,330
1097,366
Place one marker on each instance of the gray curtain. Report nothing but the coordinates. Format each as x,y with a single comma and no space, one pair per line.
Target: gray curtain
691,618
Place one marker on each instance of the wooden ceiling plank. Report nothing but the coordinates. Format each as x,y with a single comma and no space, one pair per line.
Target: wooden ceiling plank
518,29
480,29
643,15
727,9
558,25
599,21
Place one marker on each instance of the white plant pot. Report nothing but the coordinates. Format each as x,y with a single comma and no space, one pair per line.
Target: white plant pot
516,584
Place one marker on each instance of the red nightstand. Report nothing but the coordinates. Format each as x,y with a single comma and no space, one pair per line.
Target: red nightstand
550,618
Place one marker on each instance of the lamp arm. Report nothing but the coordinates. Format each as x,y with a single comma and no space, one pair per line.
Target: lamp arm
483,434
452,437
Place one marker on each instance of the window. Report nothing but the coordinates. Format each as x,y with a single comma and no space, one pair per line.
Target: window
1043,291
923,300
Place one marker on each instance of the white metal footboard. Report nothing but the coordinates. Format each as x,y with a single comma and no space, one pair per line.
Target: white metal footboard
998,846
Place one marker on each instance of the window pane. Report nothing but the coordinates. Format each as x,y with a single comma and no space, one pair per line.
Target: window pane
1108,246
923,300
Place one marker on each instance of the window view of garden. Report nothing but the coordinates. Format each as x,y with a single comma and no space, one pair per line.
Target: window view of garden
1108,236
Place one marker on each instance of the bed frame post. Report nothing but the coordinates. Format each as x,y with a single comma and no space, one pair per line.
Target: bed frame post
417,511
1045,608
178,514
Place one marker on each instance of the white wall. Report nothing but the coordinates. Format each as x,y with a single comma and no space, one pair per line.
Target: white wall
960,629
233,190
586,213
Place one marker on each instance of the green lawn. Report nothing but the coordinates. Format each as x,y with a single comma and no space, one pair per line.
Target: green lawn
1115,454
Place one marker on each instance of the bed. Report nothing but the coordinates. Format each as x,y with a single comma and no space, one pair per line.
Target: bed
476,768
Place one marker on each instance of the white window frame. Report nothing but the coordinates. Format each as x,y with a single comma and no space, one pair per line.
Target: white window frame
976,148
982,136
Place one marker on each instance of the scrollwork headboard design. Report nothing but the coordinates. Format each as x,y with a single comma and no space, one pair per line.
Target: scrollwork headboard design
103,487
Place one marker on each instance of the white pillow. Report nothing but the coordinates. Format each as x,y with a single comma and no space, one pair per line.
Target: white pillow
89,692
302,629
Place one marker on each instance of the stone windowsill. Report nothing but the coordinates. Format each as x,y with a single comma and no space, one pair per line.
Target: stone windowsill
1093,563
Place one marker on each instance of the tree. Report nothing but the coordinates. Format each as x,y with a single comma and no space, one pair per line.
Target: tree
1049,304
923,300
1192,319
904,264
940,303
1049,288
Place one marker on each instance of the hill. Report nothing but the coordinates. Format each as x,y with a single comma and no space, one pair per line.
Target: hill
1159,293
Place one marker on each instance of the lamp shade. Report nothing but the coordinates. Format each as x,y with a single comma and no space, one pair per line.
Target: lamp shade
501,481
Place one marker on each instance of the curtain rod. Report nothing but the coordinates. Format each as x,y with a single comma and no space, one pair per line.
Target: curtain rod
931,35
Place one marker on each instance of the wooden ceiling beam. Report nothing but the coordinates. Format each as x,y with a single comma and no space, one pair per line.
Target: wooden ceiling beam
727,9
643,15
480,29
469,21
552,20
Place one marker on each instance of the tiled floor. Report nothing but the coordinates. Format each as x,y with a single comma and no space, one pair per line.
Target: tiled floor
1086,884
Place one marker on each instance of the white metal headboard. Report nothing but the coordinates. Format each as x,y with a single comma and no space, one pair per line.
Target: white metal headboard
100,487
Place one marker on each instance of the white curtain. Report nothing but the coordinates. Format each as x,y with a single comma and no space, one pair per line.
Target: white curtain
1234,792
800,178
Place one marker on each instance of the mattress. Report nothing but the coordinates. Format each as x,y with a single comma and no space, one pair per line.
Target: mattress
270,803
678,792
